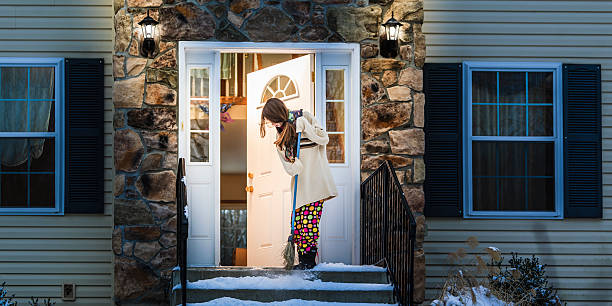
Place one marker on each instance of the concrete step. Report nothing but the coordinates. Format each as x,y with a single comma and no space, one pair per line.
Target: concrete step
236,302
326,273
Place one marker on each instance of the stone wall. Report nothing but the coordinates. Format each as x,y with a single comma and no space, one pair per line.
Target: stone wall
145,100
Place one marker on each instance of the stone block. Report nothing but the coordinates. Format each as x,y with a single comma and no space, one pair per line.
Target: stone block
380,64
354,24
135,65
412,78
118,66
152,161
314,33
123,30
373,162
399,93
185,21
298,10
118,184
389,78
132,278
129,93
376,146
143,233
163,211
419,171
158,94
410,141
371,90
239,6
159,186
128,150
165,141
419,110
132,212
380,118
117,242
415,197
369,50
270,24
158,118
166,259
146,250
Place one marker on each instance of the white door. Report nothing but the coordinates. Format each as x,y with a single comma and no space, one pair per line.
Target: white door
269,205
336,105
199,131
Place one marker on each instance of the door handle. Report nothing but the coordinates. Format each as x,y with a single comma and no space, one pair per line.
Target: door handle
250,175
248,188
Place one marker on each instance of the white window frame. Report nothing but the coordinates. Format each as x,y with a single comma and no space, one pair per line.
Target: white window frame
188,112
324,100
58,134
557,138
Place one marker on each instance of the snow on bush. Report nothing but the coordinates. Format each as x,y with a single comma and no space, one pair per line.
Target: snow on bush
474,296
227,301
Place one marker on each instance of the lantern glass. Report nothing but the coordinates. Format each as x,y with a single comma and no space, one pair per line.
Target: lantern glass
392,32
148,30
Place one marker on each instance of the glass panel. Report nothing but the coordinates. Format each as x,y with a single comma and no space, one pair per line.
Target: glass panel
334,112
199,78
198,115
512,87
291,90
484,87
334,84
13,83
335,148
14,190
513,176
42,190
42,114
512,120
540,87
541,194
484,121
273,84
485,193
42,83
199,147
13,116
284,82
267,94
512,194
540,120
43,155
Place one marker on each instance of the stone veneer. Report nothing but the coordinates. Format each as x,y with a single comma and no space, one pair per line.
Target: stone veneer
145,100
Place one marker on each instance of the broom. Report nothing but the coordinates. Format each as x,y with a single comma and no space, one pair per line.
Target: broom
289,251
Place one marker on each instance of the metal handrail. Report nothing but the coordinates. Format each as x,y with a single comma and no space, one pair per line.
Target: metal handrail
182,227
388,230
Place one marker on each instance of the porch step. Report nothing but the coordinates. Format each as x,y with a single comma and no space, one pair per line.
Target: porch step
253,286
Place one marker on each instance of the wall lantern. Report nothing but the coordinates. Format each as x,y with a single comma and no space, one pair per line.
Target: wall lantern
389,41
148,26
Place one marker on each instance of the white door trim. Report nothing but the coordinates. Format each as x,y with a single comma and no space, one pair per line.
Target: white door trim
354,117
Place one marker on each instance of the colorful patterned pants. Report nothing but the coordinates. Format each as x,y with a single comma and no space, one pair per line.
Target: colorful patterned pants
306,226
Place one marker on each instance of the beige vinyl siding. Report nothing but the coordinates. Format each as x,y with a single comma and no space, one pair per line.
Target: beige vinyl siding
39,253
578,252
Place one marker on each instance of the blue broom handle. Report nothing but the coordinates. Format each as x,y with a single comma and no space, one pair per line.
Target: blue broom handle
299,138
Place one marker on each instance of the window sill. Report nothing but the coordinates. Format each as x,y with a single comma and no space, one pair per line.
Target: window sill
32,212
515,216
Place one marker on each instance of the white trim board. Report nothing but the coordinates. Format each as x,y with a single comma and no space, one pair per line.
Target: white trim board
353,119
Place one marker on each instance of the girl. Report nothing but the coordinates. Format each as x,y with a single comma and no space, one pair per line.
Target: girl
315,183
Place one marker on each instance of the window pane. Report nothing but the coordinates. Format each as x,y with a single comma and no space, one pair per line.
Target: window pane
42,190
43,155
199,82
13,116
512,120
544,198
335,148
199,147
14,191
540,120
334,84
512,87
485,193
42,83
13,83
513,176
198,115
484,121
334,116
540,87
484,87
42,116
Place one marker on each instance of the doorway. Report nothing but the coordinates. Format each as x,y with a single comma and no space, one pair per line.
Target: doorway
238,194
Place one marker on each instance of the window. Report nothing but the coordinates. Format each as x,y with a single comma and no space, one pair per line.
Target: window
199,114
335,102
513,140
31,135
281,87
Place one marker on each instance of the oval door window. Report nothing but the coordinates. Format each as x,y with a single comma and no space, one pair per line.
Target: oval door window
280,86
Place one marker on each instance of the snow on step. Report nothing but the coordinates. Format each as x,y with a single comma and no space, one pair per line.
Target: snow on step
231,301
284,282
340,267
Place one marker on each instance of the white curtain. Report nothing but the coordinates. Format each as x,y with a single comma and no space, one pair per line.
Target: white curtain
14,117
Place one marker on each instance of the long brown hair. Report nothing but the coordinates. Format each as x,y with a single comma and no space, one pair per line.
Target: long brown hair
275,111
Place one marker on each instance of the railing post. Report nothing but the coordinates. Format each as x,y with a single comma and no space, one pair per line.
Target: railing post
182,228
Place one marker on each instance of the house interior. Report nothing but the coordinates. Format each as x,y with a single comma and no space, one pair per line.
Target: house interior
233,212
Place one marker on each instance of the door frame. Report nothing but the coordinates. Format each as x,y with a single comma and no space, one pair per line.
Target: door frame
354,116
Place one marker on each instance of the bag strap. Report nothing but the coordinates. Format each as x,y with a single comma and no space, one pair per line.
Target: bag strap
299,138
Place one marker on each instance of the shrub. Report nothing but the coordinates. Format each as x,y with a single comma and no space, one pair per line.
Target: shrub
523,281
5,298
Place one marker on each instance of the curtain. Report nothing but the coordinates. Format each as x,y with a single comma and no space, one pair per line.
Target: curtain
17,115
227,62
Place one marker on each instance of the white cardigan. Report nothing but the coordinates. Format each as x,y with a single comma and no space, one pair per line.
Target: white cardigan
315,181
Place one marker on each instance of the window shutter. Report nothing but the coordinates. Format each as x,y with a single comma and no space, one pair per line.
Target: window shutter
582,141
84,136
443,141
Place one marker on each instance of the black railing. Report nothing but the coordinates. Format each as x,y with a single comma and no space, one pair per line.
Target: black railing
182,227
388,230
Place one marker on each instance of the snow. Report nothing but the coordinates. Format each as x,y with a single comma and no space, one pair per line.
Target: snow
285,282
186,210
483,298
340,267
494,249
231,301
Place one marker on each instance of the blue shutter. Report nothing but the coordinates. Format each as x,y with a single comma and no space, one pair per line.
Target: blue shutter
84,136
582,140
443,140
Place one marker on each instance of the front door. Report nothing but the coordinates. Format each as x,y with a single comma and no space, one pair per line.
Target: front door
269,204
